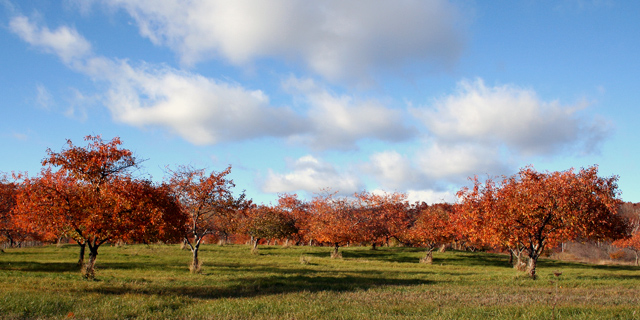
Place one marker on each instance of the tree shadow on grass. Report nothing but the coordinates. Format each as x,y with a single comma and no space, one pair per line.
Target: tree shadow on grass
393,254
400,255
549,263
248,287
31,266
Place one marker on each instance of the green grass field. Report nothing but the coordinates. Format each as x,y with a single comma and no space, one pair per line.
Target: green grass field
153,282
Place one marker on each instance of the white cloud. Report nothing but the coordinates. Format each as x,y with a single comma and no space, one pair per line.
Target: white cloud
435,166
456,162
64,41
312,175
393,171
43,98
430,196
481,131
510,116
336,39
199,109
208,111
340,121
20,136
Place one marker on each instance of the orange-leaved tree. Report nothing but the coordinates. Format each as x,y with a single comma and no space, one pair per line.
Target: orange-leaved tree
381,216
537,210
204,199
631,241
431,226
93,198
480,221
268,222
10,228
298,211
333,221
54,204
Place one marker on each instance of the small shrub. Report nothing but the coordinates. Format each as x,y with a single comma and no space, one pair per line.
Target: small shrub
428,259
520,266
305,260
618,255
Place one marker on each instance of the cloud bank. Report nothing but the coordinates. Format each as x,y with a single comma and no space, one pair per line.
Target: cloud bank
208,111
335,39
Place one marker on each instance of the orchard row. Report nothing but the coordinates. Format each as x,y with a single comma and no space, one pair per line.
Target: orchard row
89,194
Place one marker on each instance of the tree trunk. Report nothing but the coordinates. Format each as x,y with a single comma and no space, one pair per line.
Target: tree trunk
335,254
81,255
195,262
373,246
88,270
517,263
195,249
636,258
531,265
428,258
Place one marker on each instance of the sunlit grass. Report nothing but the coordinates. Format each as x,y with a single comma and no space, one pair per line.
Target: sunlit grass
153,282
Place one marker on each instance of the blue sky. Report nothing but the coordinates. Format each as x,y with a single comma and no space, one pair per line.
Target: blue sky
298,96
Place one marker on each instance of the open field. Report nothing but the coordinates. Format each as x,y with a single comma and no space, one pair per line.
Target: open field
153,282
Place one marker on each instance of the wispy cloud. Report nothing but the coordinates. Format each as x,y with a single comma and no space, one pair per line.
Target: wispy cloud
63,41
44,99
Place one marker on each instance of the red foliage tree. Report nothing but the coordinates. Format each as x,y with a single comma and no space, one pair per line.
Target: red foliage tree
333,221
205,200
432,226
382,216
632,241
298,211
54,204
93,198
10,230
267,222
537,210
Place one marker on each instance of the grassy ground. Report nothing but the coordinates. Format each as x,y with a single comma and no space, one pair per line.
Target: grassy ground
153,282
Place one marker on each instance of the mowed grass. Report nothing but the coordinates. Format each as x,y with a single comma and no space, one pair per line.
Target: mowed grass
153,282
